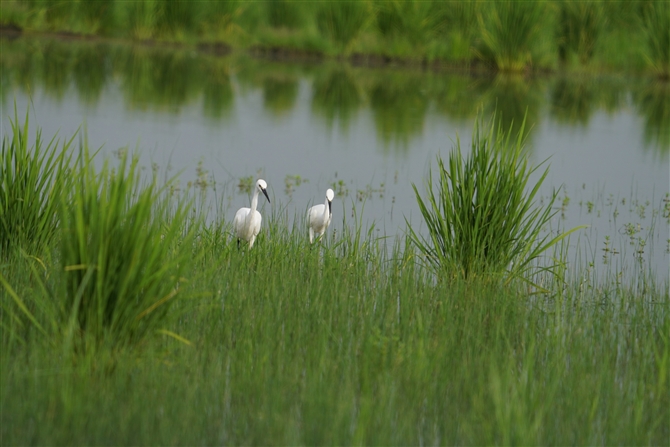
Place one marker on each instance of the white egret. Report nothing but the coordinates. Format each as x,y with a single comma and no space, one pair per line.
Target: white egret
247,221
319,216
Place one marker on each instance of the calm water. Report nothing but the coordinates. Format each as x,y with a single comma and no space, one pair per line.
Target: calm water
368,133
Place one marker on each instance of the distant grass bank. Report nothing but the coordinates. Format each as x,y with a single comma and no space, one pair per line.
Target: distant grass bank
503,35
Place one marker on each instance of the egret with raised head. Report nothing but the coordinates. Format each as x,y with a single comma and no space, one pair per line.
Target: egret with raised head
247,221
319,216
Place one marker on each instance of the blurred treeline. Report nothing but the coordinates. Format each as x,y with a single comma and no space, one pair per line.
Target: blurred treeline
400,100
507,35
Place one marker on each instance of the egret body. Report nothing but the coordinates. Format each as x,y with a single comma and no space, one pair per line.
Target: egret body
247,221
319,216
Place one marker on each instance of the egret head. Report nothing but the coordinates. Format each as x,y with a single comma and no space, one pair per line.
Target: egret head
330,195
262,186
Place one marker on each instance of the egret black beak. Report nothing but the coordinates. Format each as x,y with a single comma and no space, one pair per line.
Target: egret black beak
330,207
265,193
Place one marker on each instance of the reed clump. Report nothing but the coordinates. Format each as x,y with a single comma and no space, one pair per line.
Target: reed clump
33,177
481,214
105,252
124,250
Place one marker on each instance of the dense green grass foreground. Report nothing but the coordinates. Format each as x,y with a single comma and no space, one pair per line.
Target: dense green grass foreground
506,34
129,327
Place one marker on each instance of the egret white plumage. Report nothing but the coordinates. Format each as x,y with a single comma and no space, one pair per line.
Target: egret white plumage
247,221
319,216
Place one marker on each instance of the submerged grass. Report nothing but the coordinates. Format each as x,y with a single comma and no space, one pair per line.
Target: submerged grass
348,342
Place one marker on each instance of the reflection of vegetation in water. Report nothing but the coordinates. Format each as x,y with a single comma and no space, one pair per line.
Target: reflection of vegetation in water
279,94
336,96
512,97
454,97
217,91
573,100
89,71
161,79
653,103
55,70
400,106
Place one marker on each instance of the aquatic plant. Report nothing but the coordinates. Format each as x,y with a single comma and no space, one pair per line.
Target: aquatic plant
656,26
481,217
579,27
413,20
509,32
31,181
342,21
124,248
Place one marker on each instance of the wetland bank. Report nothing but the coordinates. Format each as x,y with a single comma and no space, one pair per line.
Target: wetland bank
356,341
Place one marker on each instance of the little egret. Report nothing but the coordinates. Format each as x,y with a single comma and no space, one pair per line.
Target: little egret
247,221
319,216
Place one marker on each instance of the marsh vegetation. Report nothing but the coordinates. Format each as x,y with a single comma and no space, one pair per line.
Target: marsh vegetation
504,35
136,320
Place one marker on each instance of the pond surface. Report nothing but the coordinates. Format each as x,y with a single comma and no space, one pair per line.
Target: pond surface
368,133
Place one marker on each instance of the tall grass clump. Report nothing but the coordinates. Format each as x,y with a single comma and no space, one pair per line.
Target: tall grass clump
408,19
656,26
124,249
579,27
32,178
342,22
481,216
509,32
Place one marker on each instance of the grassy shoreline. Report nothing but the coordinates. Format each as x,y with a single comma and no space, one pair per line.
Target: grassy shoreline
500,35
139,323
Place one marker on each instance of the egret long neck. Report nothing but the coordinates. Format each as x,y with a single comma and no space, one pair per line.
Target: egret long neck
254,201
326,209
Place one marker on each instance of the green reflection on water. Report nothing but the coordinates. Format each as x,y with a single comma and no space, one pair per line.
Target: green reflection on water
217,91
336,96
163,80
400,101
652,100
574,100
400,107
279,94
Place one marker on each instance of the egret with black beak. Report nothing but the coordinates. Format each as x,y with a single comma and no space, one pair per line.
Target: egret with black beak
319,217
247,221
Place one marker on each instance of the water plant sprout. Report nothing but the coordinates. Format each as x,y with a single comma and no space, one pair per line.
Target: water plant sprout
247,222
319,216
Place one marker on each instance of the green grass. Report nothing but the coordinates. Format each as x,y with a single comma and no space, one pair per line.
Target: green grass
506,35
352,342
509,33
33,177
482,214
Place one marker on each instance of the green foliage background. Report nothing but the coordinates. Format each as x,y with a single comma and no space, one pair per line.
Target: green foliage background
507,35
